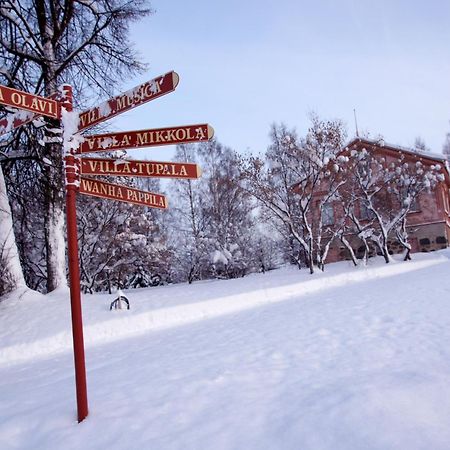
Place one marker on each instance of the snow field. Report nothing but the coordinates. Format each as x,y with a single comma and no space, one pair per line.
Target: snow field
347,359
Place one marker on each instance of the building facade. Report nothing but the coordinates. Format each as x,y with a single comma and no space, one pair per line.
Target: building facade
428,222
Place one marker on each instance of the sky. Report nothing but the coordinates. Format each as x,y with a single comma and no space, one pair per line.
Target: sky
244,65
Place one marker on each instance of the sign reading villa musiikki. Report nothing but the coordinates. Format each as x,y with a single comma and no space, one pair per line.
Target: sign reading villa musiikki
137,96
96,188
30,102
146,138
133,168
77,167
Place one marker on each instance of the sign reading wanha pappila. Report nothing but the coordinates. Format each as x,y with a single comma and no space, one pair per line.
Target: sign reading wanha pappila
122,193
77,168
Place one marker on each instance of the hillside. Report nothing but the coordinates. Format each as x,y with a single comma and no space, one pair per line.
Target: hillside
346,359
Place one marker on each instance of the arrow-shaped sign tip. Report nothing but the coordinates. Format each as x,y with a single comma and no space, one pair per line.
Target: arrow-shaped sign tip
175,79
210,132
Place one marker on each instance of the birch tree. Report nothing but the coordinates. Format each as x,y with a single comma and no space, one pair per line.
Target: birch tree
45,43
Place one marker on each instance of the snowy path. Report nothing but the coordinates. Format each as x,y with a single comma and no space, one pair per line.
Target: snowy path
343,360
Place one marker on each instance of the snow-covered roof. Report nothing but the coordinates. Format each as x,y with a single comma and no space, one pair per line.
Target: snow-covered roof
398,148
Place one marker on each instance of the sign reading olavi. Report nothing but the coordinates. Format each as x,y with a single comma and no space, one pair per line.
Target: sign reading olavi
13,121
137,96
133,168
121,193
146,138
29,102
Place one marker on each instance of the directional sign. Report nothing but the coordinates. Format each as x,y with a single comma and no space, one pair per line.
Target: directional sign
121,193
30,102
137,96
132,168
146,138
13,121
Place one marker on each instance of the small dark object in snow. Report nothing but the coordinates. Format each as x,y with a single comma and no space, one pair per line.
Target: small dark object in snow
117,303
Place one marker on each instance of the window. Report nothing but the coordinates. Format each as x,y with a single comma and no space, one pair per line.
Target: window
328,214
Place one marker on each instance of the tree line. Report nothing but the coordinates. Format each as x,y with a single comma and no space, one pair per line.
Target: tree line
246,214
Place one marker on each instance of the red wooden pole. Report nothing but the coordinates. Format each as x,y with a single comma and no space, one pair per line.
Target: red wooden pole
72,180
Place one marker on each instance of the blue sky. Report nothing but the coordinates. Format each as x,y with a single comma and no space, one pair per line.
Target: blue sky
246,64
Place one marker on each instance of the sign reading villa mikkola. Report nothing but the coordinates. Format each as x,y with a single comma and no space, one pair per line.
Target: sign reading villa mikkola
146,138
80,170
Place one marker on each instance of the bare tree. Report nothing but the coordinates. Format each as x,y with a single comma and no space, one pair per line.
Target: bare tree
46,43
292,177
188,224
387,192
11,274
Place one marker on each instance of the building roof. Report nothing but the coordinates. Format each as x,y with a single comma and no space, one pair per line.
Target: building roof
397,148
380,143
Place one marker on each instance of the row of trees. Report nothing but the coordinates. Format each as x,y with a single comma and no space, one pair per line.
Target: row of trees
300,179
44,44
246,213
242,216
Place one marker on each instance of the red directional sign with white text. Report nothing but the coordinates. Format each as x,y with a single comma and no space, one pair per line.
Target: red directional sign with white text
30,102
137,96
96,188
13,121
133,168
146,138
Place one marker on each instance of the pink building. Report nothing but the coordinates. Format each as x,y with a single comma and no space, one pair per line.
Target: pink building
428,223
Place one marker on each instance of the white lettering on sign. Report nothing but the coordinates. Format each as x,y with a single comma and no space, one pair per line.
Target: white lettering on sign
121,193
146,138
139,168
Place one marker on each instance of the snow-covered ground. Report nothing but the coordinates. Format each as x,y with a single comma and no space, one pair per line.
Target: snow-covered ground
346,359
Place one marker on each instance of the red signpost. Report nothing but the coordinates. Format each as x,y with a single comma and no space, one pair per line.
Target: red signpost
75,167
137,96
133,168
146,138
72,178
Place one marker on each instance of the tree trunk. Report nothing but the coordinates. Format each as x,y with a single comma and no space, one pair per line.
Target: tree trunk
12,269
54,219
350,249
54,189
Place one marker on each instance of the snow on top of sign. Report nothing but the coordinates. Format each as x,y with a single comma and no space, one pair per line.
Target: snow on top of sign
104,109
12,116
108,142
71,139
119,162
